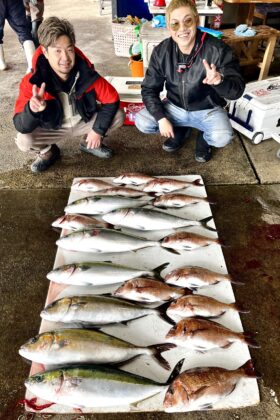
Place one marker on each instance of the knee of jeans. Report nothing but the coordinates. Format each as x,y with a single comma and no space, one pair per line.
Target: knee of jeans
220,138
24,142
144,124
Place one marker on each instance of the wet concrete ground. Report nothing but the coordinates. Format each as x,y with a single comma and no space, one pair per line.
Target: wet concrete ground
243,180
248,221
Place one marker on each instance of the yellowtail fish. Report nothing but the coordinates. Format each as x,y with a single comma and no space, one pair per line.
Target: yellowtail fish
123,191
103,241
203,335
177,200
99,273
78,222
166,185
149,290
102,204
98,310
90,184
202,306
201,388
196,277
94,386
149,219
132,178
75,345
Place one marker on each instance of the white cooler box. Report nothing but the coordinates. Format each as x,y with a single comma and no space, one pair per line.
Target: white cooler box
257,113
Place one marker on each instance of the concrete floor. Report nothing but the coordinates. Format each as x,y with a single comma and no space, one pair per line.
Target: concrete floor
242,179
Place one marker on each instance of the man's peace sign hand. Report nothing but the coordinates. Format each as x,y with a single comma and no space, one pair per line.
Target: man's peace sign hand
37,102
213,77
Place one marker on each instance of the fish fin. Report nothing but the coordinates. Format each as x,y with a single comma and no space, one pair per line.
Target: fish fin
206,406
160,348
124,362
197,183
204,223
226,346
187,291
126,323
173,251
250,341
175,372
249,369
160,268
162,313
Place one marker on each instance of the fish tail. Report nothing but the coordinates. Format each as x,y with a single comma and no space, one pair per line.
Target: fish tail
249,370
205,221
162,313
175,372
250,340
239,308
234,281
160,348
197,183
160,268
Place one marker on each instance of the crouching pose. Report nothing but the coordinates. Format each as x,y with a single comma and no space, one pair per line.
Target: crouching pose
199,72
63,97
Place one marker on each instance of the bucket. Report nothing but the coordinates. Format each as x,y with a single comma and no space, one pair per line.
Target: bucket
136,66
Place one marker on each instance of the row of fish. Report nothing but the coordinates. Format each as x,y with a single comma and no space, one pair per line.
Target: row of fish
100,386
97,385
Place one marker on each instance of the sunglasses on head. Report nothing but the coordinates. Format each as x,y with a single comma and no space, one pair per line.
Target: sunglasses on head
187,23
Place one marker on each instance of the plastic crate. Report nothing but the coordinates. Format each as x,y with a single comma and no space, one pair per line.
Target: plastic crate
124,36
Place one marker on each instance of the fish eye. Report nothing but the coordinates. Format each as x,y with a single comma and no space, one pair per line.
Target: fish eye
38,378
34,339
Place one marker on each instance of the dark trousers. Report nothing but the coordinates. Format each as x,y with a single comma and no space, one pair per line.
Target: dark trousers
13,11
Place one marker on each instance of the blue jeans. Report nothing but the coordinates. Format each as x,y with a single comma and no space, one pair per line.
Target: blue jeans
214,123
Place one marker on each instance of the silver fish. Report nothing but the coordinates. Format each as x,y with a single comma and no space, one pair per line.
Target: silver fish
166,185
149,219
102,205
196,277
203,335
96,310
186,241
202,306
90,184
177,200
98,273
132,178
200,388
77,222
103,240
93,386
74,345
149,290
124,192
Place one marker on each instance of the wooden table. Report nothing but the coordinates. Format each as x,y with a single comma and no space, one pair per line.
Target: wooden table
246,8
246,47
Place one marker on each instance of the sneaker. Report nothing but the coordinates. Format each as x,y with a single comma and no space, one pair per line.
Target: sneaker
176,143
45,160
102,152
203,152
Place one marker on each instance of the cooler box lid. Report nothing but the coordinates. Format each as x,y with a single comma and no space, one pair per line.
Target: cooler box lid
264,94
129,88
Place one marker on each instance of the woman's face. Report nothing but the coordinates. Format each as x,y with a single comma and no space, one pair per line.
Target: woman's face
182,27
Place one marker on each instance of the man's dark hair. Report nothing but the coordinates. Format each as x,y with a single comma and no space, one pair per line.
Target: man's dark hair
52,28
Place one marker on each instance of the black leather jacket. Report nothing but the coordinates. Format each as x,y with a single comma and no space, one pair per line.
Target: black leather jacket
186,89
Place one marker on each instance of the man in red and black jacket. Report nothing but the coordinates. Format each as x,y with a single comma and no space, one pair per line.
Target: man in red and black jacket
63,97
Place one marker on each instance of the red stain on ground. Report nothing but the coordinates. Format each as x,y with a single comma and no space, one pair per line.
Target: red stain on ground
253,264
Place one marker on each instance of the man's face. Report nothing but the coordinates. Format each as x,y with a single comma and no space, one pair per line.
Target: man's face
182,27
61,56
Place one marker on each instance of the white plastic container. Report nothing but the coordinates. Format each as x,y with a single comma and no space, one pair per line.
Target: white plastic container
257,113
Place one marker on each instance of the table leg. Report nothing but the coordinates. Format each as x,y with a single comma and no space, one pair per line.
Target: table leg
268,54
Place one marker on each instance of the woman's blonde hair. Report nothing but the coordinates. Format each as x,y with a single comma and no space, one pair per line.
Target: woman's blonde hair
175,4
52,28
